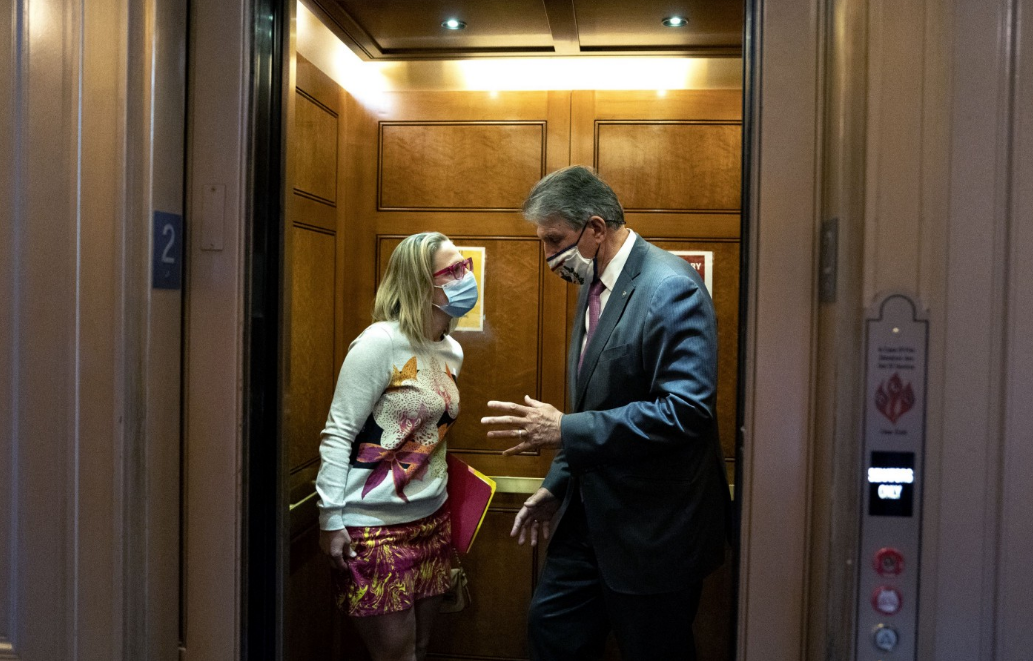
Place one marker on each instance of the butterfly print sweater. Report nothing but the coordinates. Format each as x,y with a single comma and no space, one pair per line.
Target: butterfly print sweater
382,451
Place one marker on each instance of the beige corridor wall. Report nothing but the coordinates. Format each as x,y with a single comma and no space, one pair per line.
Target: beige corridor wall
92,99
929,168
981,532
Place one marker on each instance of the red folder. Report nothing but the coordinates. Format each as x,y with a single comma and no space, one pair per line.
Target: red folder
469,494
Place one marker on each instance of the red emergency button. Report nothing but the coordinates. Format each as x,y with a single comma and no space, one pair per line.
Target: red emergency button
887,600
888,562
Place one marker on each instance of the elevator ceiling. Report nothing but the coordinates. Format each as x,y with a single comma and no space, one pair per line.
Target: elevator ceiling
411,30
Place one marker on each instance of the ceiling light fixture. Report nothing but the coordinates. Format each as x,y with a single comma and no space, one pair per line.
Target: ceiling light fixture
675,22
453,24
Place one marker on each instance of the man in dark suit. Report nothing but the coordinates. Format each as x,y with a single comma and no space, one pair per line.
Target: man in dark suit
638,479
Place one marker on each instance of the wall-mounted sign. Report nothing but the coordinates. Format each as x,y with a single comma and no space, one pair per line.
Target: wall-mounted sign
474,319
703,262
167,257
891,483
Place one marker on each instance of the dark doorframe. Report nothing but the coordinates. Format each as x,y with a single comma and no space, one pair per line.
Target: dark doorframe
263,544
749,88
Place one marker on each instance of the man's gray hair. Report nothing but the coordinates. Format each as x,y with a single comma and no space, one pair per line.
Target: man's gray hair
574,194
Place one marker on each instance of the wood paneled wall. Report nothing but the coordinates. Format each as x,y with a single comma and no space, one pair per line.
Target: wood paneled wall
456,166
668,166
314,344
462,163
316,305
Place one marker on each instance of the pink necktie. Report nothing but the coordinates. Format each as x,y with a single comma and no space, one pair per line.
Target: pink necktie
594,305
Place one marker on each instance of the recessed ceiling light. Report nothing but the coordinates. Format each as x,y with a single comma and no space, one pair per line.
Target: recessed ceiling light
453,24
675,22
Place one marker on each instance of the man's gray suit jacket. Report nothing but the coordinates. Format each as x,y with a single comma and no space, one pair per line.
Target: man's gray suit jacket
640,445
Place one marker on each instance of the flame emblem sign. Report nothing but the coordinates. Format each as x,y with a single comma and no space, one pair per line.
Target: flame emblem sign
894,398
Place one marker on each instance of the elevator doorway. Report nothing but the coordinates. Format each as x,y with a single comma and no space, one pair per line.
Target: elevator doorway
361,175
237,558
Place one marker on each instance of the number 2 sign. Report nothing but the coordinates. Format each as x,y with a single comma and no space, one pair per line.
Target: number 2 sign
167,260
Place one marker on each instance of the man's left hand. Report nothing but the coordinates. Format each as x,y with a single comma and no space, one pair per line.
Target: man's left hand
536,425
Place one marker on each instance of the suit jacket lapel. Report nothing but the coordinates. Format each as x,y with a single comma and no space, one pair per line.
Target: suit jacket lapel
619,297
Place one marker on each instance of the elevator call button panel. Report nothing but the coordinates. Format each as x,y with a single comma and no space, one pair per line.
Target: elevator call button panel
890,479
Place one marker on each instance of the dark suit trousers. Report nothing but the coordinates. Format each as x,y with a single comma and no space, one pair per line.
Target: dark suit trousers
573,611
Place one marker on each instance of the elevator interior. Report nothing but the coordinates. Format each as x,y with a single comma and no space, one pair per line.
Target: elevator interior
400,124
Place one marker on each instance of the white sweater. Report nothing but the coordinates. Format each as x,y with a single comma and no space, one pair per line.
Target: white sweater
381,463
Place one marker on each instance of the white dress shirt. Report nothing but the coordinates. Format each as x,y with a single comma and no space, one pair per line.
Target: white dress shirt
609,278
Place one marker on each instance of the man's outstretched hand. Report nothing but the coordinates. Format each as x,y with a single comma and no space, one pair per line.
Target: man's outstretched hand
536,425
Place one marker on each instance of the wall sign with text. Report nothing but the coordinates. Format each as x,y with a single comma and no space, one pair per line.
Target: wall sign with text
703,262
167,257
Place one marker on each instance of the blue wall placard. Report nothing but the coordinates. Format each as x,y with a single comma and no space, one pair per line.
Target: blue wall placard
167,260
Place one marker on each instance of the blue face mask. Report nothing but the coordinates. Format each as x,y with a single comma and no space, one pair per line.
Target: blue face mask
461,294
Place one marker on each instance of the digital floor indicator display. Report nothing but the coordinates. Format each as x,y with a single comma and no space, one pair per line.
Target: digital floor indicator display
896,337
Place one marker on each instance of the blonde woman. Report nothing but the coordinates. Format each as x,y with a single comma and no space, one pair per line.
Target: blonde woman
382,478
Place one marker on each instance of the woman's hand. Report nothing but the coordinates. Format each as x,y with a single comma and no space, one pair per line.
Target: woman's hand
337,545
539,508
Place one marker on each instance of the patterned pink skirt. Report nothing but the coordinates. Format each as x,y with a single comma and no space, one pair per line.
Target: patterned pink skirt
395,566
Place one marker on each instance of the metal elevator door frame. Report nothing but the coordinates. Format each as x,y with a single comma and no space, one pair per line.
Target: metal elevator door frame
265,504
266,534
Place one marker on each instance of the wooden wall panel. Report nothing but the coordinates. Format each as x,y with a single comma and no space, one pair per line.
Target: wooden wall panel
318,85
313,279
465,165
713,627
671,166
311,343
315,136
313,244
668,105
494,625
702,226
644,196
310,605
312,212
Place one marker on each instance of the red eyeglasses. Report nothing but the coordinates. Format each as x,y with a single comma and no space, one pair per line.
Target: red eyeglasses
458,270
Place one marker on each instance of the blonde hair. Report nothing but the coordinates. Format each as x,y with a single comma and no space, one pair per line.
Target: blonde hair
404,295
